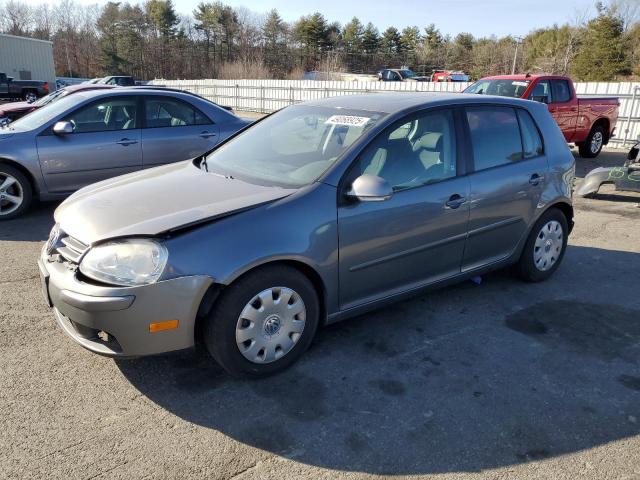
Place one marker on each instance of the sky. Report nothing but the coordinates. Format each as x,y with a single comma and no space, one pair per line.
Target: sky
479,17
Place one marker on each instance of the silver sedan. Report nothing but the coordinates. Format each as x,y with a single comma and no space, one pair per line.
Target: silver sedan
95,135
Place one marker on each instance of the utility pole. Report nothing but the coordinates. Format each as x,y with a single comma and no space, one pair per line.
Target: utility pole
515,55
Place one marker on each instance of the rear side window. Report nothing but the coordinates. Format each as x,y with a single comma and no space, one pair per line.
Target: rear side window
531,140
561,91
170,112
495,136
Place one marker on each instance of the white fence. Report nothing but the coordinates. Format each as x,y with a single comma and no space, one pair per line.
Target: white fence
269,95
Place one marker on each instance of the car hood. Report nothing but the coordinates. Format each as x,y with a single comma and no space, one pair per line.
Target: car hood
155,201
15,107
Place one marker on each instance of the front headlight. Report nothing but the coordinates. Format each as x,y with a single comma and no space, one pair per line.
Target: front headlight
126,262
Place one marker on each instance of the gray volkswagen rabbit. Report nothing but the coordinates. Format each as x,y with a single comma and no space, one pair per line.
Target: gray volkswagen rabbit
319,212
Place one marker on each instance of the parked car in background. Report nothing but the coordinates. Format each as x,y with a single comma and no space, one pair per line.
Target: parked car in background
93,80
400,75
588,122
27,90
448,76
10,112
322,211
98,134
118,80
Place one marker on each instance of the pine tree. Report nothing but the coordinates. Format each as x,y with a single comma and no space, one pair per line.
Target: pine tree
603,53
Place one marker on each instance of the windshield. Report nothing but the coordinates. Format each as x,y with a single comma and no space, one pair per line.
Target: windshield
407,74
51,97
291,148
502,88
39,117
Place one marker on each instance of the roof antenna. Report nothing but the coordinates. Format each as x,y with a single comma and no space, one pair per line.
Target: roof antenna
527,75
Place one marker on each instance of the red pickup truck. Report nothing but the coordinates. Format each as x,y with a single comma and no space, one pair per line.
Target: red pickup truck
588,122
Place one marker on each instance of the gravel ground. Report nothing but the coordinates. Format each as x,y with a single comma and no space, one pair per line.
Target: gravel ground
498,380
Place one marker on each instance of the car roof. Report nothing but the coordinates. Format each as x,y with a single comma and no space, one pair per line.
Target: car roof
395,102
87,86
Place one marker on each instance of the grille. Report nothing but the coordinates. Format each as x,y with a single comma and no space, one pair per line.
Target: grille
71,249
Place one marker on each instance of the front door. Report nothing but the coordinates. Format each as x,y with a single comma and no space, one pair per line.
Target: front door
175,130
105,143
418,235
509,172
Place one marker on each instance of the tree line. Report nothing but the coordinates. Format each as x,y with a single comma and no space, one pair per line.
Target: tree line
153,40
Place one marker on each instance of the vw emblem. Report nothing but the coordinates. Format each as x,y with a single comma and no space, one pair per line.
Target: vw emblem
54,236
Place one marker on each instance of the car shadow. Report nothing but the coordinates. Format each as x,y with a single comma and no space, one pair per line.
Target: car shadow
466,378
34,226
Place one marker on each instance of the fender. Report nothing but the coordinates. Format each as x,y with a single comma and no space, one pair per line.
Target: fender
594,179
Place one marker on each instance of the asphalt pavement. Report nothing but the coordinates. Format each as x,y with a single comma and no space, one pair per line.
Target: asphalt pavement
497,380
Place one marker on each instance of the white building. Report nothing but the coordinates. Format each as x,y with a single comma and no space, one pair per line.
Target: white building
27,59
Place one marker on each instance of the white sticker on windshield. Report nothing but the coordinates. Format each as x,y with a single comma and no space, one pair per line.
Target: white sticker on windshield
520,84
349,120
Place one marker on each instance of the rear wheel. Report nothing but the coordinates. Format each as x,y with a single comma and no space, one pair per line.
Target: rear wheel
592,146
545,247
15,192
30,96
264,322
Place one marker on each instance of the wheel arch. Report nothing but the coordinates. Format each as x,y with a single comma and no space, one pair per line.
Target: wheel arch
566,208
216,289
25,171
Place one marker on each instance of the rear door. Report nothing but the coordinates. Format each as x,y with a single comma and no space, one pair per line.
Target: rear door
417,236
509,171
175,130
106,142
564,107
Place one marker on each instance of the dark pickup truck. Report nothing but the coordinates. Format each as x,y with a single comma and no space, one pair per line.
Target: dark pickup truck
27,90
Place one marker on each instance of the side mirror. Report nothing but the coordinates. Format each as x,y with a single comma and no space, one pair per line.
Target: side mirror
370,188
540,98
63,128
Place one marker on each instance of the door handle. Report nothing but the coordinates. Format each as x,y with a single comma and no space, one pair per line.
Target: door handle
535,179
455,201
126,141
206,134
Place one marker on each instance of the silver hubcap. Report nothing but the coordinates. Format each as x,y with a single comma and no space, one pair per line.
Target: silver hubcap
11,194
548,246
270,325
596,142
30,97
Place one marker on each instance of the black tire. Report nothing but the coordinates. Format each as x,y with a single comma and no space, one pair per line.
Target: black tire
29,95
526,267
24,187
585,148
219,333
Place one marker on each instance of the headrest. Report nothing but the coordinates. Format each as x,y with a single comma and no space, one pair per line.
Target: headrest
428,140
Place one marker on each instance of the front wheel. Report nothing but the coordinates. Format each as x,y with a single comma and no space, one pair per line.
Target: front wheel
545,247
263,322
15,192
592,146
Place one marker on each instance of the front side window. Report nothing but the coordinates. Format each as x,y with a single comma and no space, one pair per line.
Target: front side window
413,153
109,114
293,147
541,90
169,112
495,136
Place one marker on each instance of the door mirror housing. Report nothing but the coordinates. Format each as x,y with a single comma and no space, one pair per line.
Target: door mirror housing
540,98
370,188
63,128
